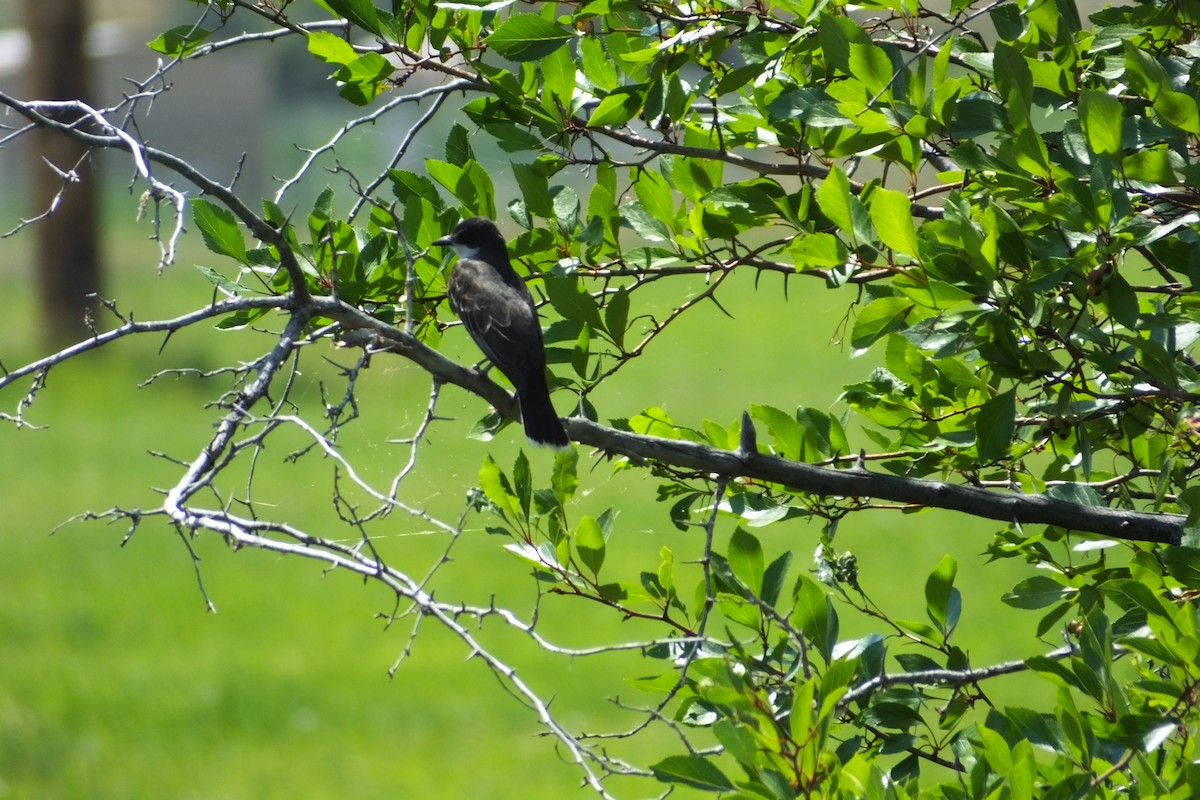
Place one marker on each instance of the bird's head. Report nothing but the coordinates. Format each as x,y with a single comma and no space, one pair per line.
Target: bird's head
472,237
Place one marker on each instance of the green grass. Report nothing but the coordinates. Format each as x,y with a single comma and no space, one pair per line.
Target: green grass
116,683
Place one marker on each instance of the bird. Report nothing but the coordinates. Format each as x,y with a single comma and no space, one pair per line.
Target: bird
497,310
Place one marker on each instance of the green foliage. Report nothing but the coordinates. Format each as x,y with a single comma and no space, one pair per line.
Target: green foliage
362,77
1015,213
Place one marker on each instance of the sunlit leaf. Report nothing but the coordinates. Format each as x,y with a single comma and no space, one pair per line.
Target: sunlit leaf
881,317
746,559
219,229
527,37
330,47
694,771
1037,592
617,108
1178,109
179,41
943,602
891,212
1100,116
589,542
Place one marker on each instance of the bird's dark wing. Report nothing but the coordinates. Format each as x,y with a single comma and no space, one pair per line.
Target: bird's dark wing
497,310
500,318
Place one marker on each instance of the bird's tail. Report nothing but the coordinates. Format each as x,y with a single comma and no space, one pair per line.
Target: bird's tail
542,425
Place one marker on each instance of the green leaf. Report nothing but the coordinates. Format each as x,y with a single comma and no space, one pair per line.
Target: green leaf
803,703
837,678
882,316
179,41
535,189
558,79
239,319
589,542
644,223
219,229
1038,592
1121,300
572,301
891,211
581,351
361,12
666,568
458,145
1030,152
1082,494
823,435
474,5
527,37
618,107
994,426
694,771
1015,83
364,78
774,577
496,488
943,602
788,436
871,65
227,286
616,316
597,66
331,48
1183,564
565,480
602,200
1145,732
841,206
814,615
818,251
407,184
924,632
814,108
1134,594
523,482
835,34
1100,117
1007,19
566,208
655,195
746,559
470,184
1178,110
542,559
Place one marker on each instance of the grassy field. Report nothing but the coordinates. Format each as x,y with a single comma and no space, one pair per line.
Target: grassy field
116,683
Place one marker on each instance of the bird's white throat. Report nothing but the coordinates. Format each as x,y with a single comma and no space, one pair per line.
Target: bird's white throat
465,250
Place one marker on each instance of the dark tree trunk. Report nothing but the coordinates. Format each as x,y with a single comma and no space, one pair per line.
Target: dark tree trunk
67,256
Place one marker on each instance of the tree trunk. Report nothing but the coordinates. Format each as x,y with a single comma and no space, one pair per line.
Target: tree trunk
67,257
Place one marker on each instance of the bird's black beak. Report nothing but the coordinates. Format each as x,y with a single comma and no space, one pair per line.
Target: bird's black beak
445,241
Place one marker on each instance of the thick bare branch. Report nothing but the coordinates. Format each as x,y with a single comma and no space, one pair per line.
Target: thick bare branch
1010,507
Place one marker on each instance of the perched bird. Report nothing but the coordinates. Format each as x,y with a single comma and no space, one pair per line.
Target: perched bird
497,310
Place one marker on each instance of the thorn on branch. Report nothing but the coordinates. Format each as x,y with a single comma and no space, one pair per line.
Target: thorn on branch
748,441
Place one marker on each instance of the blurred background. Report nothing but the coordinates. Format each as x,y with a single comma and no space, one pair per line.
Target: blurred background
115,682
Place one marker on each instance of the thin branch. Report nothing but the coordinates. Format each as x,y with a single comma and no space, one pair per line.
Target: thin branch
943,677
130,328
438,92
144,154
